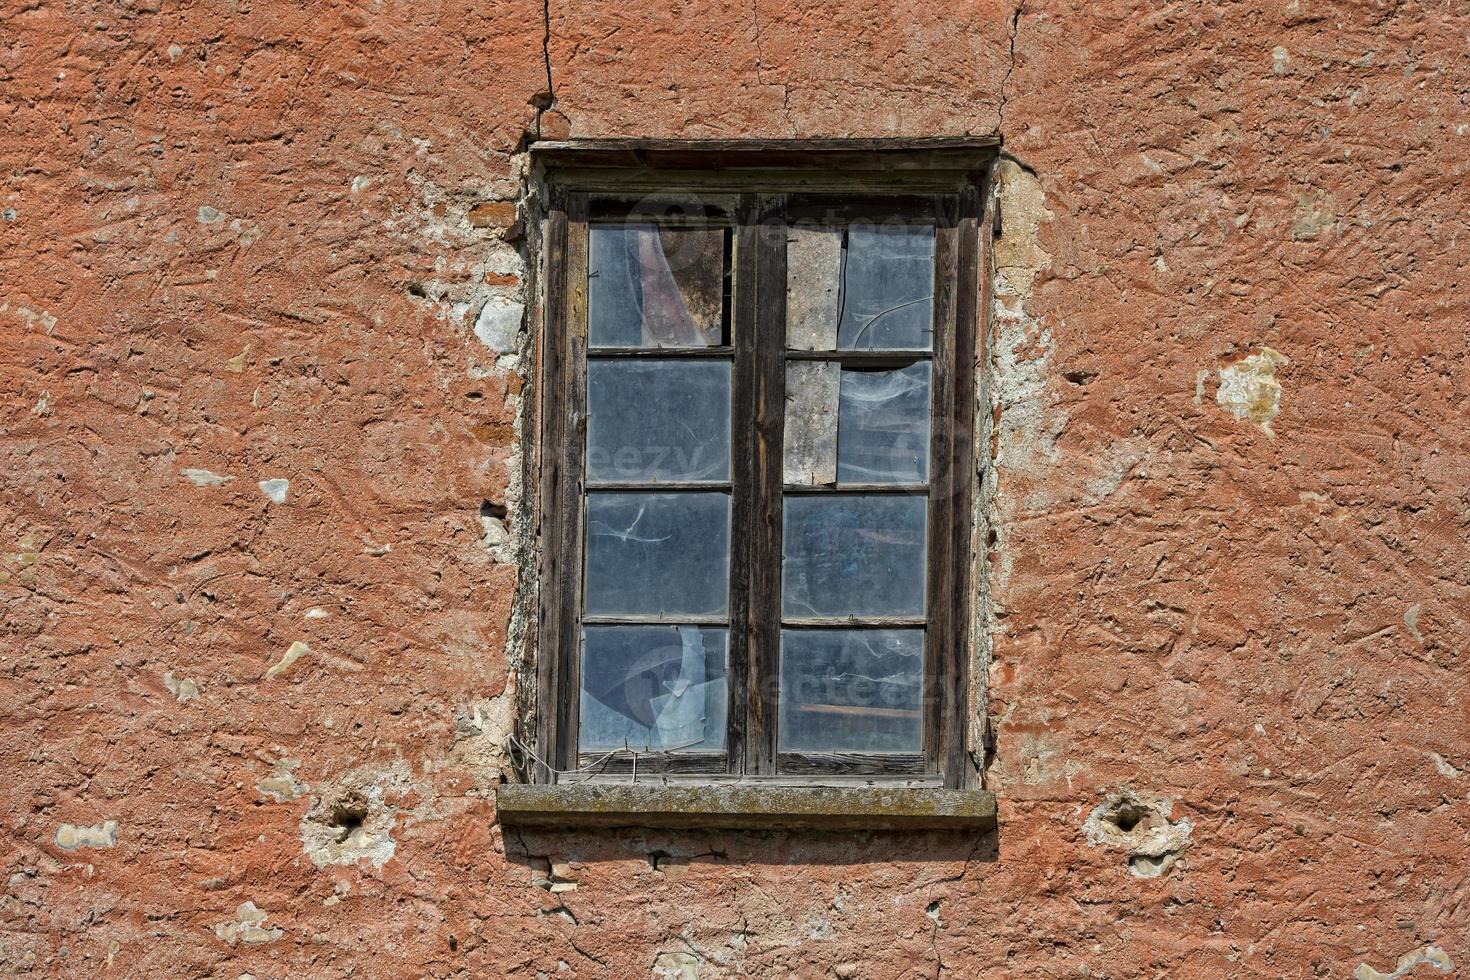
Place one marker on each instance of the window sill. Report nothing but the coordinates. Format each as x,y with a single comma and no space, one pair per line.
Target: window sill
744,807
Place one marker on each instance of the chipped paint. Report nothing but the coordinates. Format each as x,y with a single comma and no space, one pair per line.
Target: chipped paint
1315,214
1249,389
352,818
183,689
676,965
1411,622
1026,417
70,836
1430,956
248,927
499,322
281,785
293,653
205,478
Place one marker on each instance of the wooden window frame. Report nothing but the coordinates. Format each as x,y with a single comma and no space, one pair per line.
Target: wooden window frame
758,187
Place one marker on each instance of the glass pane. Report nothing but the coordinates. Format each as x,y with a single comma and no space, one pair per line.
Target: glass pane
889,288
862,287
851,690
658,420
652,687
852,555
657,553
655,287
810,448
883,426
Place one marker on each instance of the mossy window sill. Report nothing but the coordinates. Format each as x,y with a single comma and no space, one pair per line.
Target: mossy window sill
744,806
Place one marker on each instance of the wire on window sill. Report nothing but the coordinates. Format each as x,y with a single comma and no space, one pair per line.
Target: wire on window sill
600,761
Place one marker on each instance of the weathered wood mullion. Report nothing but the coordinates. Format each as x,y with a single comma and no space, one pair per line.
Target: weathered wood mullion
853,763
939,640
768,427
651,763
743,505
900,489
877,360
573,498
958,772
653,486
553,583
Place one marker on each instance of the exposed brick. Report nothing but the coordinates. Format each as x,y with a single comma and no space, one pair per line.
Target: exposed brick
493,214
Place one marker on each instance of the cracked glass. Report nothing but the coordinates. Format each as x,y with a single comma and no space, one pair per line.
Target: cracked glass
652,286
653,688
657,554
847,425
860,286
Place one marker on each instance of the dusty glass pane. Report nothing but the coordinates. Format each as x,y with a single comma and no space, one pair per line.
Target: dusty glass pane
853,555
860,287
811,422
658,420
883,426
657,553
652,688
889,288
655,287
851,690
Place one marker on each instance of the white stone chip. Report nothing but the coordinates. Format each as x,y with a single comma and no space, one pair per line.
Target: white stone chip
499,324
204,478
248,927
275,489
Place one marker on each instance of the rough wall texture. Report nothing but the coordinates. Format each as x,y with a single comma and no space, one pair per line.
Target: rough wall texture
254,727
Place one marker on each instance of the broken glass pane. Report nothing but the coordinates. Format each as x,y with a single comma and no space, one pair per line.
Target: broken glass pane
853,555
862,287
883,426
652,688
889,293
655,287
811,422
657,553
851,690
658,420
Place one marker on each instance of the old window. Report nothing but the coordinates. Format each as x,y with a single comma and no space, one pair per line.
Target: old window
757,463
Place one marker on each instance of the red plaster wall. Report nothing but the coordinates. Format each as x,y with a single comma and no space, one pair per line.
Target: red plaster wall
236,239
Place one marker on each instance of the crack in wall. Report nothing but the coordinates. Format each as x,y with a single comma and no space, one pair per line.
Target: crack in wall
543,101
760,63
1010,67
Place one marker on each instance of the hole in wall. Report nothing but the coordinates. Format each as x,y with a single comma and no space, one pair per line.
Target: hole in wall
347,819
1127,816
